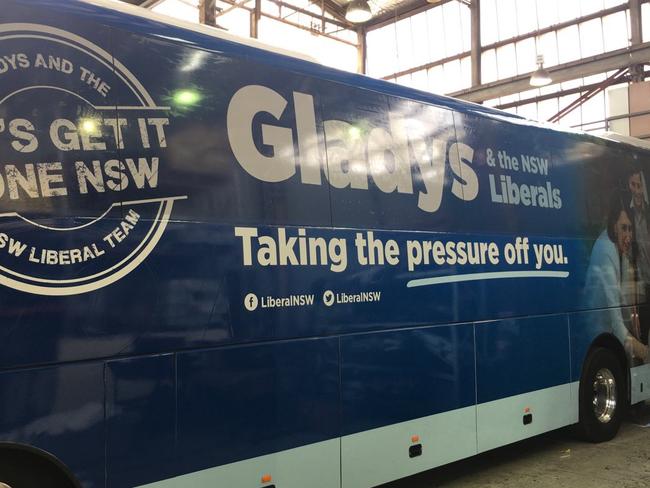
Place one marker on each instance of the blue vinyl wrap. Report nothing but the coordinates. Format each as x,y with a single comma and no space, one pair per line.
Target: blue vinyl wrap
242,402
401,375
518,356
187,376
133,387
60,410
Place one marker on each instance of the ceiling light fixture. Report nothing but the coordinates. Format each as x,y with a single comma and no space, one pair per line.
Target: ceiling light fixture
358,11
540,77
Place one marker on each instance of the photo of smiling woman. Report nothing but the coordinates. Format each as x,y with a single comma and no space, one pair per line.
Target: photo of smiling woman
612,277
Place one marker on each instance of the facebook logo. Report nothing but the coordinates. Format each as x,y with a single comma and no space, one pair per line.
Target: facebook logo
250,302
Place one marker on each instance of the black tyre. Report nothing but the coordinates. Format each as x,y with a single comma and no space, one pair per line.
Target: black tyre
20,469
602,396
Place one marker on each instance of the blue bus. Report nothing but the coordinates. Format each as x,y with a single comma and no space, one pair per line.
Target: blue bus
222,266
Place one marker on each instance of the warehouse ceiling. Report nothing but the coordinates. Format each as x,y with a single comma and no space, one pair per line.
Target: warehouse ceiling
382,10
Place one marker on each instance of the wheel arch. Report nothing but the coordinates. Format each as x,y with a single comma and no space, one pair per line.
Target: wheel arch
40,456
609,341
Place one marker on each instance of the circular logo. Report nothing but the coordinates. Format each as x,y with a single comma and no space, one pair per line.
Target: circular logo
82,143
328,298
250,302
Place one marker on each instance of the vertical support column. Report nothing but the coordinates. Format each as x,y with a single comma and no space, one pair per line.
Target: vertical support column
635,22
636,94
475,8
361,50
255,19
208,12
637,37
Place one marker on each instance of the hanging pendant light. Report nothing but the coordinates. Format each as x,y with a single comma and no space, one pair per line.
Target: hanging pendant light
358,11
540,77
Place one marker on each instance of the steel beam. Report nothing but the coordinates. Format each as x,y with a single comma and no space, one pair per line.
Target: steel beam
635,22
559,94
512,40
361,50
601,63
149,3
240,4
589,94
281,4
402,11
336,11
331,7
302,27
637,36
560,26
432,64
475,9
255,16
342,24
208,12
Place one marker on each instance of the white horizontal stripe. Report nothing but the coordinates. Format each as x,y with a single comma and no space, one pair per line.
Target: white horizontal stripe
312,466
380,455
496,275
500,422
125,107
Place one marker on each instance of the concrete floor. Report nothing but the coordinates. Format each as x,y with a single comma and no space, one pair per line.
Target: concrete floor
554,460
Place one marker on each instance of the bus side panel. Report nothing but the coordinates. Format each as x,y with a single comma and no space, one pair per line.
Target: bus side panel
523,368
385,195
50,86
37,328
182,298
59,410
499,154
399,384
141,415
178,298
238,406
197,158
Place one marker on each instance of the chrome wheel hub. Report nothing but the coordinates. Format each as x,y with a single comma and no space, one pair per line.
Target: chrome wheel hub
604,390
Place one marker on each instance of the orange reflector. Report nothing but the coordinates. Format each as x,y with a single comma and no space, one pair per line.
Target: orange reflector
266,478
527,410
415,438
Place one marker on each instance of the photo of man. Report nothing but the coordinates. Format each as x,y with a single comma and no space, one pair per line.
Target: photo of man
641,222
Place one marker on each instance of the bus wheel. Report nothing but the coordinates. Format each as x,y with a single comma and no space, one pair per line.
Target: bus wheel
602,398
21,468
